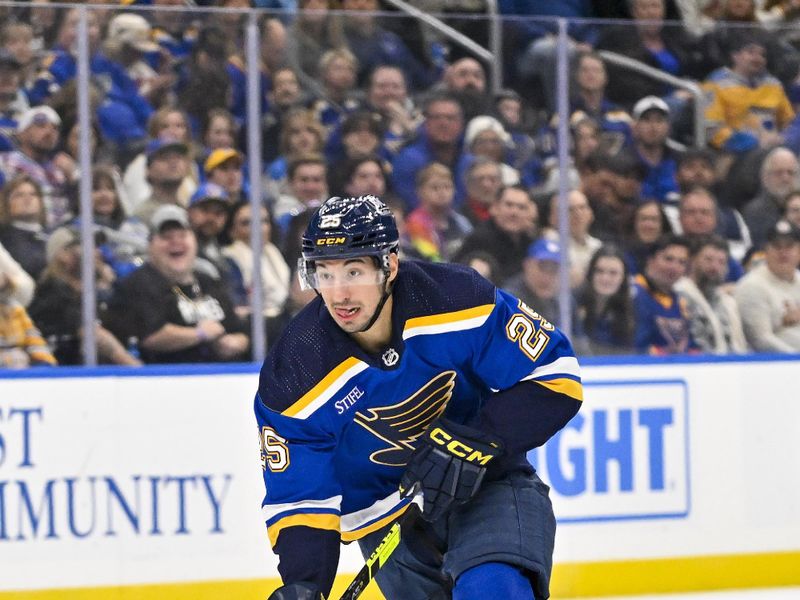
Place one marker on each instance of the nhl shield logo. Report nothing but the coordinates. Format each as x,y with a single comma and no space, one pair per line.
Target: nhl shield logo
390,357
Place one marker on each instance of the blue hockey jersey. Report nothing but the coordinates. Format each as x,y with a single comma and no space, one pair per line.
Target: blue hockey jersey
337,425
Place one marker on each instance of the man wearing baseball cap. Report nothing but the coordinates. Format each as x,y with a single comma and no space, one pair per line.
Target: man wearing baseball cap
650,131
167,166
537,285
178,313
769,295
37,136
224,168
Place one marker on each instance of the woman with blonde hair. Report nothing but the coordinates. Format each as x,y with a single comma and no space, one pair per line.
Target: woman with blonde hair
301,134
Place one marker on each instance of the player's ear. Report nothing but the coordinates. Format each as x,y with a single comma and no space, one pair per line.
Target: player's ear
394,265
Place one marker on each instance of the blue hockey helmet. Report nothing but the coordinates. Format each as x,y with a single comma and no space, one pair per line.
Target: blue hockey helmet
350,227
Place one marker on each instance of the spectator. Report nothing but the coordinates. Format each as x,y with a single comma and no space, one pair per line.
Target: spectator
485,137
124,238
13,104
373,45
662,325
307,186
22,220
768,296
17,39
361,134
57,304
650,133
223,167
613,186
780,173
359,177
15,283
21,343
435,230
208,216
313,32
38,137
439,140
387,94
582,245
205,80
167,167
338,69
513,115
589,97
177,313
649,223
275,272
483,184
168,123
507,234
714,320
129,43
537,285
792,208
300,134
698,217
465,80
123,112
585,134
651,41
221,131
748,106
605,306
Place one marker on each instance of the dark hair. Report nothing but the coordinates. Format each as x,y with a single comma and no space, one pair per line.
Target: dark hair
712,239
619,308
665,241
104,173
304,159
340,175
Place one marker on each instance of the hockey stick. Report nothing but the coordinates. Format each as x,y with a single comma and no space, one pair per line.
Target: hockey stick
381,554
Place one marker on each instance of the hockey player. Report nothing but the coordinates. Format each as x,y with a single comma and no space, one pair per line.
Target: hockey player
400,378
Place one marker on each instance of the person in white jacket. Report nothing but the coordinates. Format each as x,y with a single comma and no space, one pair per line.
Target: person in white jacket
15,283
769,295
714,319
275,272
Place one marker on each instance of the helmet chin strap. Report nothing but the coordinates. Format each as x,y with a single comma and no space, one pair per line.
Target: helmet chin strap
387,291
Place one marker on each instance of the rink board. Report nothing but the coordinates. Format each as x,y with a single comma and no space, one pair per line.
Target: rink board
674,476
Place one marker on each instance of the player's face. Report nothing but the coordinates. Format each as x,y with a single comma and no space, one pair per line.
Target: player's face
351,289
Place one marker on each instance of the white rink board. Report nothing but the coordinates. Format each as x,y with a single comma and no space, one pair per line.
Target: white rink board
116,480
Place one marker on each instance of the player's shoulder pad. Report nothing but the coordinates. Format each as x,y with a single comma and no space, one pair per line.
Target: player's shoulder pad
424,289
307,350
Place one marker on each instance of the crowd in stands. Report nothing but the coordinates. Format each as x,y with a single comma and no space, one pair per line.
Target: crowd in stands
675,244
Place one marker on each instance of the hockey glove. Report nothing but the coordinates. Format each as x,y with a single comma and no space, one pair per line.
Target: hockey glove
448,466
297,591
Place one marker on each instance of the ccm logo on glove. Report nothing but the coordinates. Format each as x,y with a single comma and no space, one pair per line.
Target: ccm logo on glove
459,448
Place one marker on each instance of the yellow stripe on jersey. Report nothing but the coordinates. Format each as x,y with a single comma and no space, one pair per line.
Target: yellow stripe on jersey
316,521
325,384
349,536
568,387
447,321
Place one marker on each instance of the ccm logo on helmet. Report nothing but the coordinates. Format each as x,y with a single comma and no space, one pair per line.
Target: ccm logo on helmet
331,241
459,448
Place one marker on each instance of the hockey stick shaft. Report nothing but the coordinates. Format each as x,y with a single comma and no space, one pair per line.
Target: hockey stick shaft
382,553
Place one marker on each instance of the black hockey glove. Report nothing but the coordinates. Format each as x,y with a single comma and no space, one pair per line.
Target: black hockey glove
447,466
297,591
